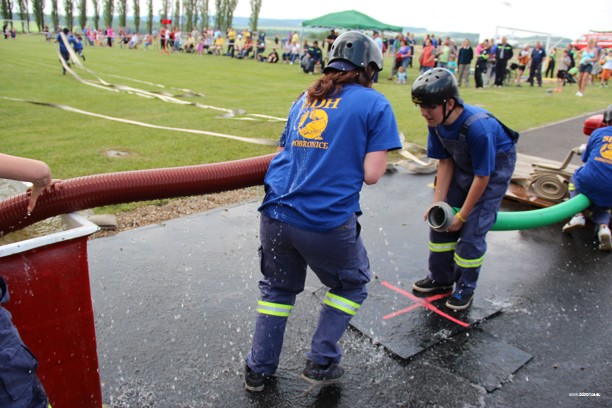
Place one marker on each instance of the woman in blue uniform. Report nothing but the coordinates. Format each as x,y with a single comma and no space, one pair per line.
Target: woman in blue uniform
337,136
476,154
593,180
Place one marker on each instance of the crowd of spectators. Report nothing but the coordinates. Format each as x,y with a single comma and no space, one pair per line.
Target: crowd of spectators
168,40
490,63
496,63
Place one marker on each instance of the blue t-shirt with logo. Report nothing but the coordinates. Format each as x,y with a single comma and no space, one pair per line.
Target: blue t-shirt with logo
314,183
594,178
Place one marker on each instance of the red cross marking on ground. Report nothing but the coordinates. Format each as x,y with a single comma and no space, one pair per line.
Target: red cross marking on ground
421,302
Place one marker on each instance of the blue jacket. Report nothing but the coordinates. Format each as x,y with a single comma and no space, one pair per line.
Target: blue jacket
594,178
537,56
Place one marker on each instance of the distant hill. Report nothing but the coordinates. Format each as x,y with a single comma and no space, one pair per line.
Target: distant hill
243,22
272,27
291,23
281,26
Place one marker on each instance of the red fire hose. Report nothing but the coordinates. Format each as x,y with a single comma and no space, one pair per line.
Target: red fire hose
114,188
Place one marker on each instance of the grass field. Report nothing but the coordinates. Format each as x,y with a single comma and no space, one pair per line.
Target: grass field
75,145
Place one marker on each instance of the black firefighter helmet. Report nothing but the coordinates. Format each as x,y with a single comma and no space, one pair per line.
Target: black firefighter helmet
435,87
353,50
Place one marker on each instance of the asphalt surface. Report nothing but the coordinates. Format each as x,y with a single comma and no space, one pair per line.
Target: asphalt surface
175,308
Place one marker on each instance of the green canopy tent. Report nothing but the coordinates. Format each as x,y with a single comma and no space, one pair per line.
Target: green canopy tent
350,19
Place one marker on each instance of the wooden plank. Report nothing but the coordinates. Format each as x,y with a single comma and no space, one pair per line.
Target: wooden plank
525,167
520,193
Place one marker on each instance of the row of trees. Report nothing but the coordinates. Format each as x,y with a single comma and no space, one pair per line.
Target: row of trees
187,14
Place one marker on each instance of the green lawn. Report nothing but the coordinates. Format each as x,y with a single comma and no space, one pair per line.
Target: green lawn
75,145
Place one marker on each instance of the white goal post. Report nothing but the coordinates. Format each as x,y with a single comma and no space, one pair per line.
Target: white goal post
518,37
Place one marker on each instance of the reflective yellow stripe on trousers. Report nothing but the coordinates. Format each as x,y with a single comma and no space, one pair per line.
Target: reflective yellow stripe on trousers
442,246
274,309
468,263
347,306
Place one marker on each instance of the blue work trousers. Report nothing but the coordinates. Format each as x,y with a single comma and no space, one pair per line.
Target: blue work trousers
339,260
458,256
19,384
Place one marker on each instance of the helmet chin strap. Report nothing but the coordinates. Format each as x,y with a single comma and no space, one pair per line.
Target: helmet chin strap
446,114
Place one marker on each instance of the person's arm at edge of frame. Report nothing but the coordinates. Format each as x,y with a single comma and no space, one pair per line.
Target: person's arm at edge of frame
23,169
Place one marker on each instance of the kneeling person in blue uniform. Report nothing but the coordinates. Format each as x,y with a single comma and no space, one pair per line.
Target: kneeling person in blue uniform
337,137
477,155
593,180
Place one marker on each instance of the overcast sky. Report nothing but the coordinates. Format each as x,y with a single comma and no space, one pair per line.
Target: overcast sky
564,18
558,17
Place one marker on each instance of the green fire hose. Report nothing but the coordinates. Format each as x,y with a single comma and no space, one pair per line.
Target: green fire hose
441,215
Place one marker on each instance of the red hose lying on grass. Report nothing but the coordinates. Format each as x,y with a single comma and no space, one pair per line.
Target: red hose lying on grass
124,187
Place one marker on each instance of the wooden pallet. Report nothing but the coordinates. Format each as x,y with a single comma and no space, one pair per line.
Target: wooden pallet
519,187
520,194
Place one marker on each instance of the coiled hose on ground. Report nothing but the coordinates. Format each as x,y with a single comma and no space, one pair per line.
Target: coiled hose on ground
114,188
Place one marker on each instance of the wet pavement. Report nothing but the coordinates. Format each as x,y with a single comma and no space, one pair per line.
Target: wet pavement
175,308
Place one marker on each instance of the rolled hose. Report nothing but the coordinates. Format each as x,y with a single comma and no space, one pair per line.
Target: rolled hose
123,187
440,215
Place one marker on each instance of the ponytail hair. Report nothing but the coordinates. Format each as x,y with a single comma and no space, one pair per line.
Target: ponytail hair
331,83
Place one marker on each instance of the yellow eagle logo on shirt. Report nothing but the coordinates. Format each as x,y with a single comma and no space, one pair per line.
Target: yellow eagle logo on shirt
313,123
606,148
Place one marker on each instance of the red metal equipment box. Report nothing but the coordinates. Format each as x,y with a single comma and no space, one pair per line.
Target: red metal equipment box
48,280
